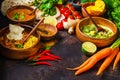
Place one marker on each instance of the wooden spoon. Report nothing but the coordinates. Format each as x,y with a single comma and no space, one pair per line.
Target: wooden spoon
97,27
32,30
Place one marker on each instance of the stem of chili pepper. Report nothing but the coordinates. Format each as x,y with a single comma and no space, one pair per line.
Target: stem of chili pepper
51,55
41,63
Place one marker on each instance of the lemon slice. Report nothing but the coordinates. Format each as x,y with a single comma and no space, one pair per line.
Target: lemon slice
50,20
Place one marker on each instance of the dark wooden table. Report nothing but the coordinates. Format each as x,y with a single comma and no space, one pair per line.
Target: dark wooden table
69,48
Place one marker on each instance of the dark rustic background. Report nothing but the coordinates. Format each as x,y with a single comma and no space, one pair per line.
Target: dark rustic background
69,48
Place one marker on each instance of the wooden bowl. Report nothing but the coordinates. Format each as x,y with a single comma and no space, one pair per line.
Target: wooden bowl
100,42
93,14
21,14
47,31
18,53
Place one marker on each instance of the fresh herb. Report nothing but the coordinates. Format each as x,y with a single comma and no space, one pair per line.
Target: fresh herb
113,11
15,16
18,16
22,16
19,45
83,1
48,6
47,47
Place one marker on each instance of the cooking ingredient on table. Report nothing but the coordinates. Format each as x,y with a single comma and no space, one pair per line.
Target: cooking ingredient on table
90,30
14,38
117,59
43,56
97,8
47,31
70,17
20,14
48,6
113,11
83,1
106,53
88,48
108,60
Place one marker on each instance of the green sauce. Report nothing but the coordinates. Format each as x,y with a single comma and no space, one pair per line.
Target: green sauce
90,30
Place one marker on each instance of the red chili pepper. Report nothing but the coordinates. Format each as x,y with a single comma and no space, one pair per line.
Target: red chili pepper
45,57
34,56
51,55
45,51
41,63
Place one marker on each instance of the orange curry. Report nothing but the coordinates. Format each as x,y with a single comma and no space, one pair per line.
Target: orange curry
21,14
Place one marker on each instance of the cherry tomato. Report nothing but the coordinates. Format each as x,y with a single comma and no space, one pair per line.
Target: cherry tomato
78,17
75,13
64,20
71,17
60,26
63,10
70,6
67,13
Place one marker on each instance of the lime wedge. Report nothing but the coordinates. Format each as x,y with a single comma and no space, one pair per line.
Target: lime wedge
89,48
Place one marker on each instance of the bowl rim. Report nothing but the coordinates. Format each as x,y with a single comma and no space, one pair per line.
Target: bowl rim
19,49
86,4
19,7
116,30
55,32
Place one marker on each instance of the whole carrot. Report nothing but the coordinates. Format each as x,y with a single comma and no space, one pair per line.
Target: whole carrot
94,59
117,59
82,65
108,60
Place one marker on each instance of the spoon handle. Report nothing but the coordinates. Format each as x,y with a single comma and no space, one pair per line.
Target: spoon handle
32,30
90,18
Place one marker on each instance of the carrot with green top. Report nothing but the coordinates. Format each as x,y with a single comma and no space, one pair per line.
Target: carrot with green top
95,58
90,62
117,59
108,60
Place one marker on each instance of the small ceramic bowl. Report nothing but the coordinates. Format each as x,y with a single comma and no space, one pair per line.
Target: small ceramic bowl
18,53
21,14
95,14
47,31
100,42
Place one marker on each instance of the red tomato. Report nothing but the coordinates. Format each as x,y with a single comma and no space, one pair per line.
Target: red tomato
64,20
75,13
70,6
60,26
67,13
78,17
71,17
63,10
